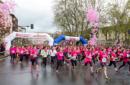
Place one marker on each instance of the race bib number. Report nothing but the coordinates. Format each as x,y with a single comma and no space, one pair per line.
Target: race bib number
104,60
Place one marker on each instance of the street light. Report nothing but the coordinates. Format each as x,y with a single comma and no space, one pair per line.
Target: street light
24,27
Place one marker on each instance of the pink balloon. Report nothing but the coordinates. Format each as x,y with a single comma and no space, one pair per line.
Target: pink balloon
92,16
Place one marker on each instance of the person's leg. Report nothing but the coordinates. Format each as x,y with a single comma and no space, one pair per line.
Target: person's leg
52,60
61,63
85,64
91,66
105,72
11,55
110,63
21,58
93,59
45,61
75,63
129,65
114,63
122,65
102,66
32,65
72,63
42,61
27,57
58,64
14,56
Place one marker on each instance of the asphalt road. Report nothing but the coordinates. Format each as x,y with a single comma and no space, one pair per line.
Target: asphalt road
17,74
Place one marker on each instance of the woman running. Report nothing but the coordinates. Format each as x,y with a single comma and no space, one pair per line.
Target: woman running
13,53
53,55
60,57
103,61
113,58
44,55
88,59
73,57
34,58
126,59
21,54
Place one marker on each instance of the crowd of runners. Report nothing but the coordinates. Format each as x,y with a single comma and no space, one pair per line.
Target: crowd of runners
73,56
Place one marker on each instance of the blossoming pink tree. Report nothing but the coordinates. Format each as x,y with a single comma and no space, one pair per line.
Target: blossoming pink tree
6,7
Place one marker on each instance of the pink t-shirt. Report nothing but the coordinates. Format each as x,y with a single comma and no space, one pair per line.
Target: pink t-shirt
113,56
65,50
103,57
13,50
21,50
60,55
33,52
88,56
125,59
74,53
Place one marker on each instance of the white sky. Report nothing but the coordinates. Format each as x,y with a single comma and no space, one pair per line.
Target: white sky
37,12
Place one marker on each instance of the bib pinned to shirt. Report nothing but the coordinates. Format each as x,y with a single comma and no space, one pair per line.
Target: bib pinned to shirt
104,60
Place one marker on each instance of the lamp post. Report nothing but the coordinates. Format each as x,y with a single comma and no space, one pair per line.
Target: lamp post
24,27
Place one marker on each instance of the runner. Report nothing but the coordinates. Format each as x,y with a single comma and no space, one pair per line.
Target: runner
13,53
88,58
44,55
21,53
60,57
103,61
73,57
53,55
113,58
33,57
126,59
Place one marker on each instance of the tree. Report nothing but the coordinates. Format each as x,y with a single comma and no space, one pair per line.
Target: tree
7,21
119,16
70,15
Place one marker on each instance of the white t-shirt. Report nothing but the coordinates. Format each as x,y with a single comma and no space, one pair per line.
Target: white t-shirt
43,53
53,53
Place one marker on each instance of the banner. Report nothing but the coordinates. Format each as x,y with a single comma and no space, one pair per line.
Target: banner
12,36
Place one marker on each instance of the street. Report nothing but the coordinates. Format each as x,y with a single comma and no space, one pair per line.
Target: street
19,74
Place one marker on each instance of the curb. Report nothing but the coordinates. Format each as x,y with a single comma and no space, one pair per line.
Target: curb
3,58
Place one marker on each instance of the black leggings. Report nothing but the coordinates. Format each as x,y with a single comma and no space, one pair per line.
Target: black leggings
44,61
52,59
112,63
94,59
34,61
73,62
21,57
90,63
59,63
124,63
13,56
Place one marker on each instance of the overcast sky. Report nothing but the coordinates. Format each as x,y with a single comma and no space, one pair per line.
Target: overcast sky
37,12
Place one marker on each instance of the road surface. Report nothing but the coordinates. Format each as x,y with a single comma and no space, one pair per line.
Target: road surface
20,75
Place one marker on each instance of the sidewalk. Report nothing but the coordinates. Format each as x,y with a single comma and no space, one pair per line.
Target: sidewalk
2,58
